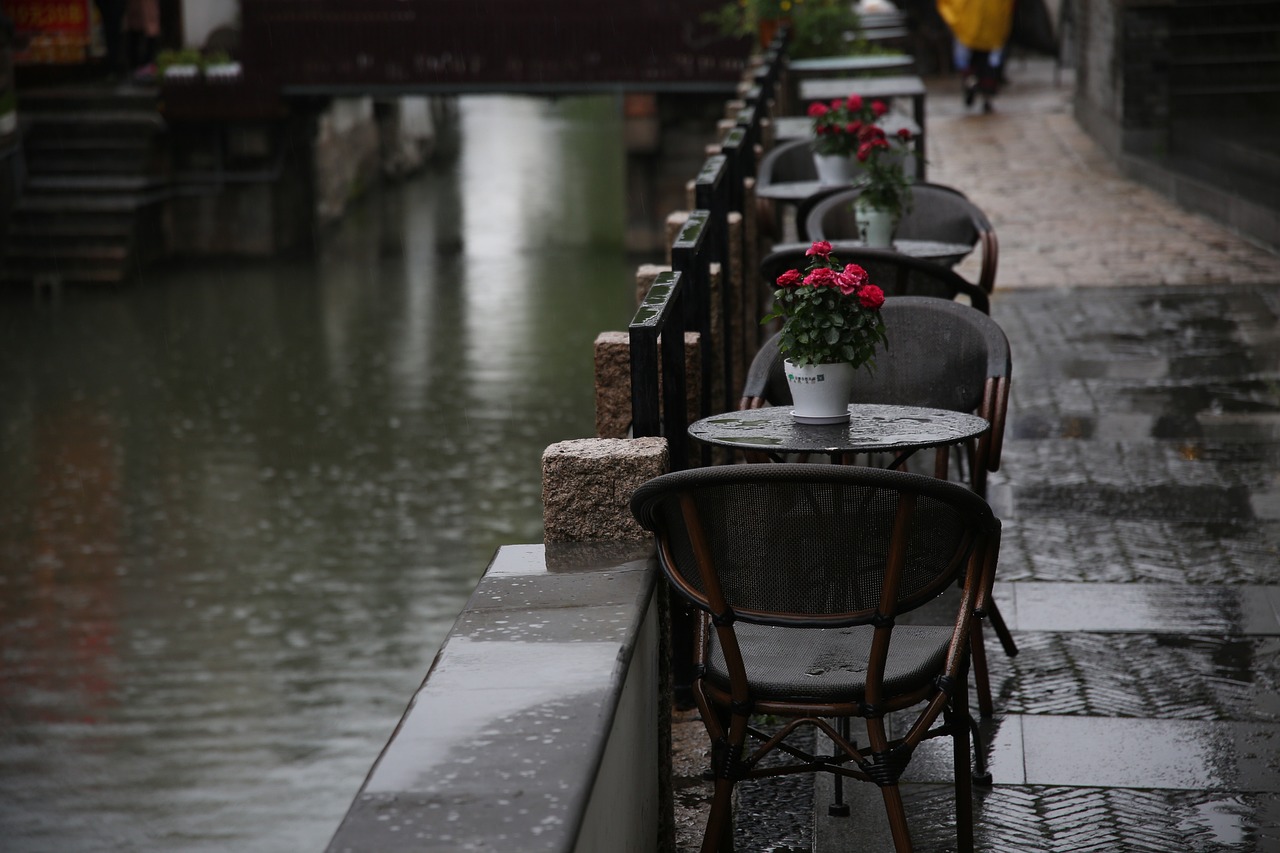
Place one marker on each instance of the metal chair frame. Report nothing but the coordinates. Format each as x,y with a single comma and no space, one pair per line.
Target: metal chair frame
915,537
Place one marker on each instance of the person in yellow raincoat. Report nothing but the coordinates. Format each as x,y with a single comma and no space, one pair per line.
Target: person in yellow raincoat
981,29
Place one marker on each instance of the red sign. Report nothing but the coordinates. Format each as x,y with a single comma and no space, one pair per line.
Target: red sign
54,31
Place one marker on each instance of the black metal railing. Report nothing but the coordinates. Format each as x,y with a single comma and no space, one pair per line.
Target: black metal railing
681,301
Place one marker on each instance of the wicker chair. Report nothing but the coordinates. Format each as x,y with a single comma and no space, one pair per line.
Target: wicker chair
893,272
937,213
800,572
966,367
789,162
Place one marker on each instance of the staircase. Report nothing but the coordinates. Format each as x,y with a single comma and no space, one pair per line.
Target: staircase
89,212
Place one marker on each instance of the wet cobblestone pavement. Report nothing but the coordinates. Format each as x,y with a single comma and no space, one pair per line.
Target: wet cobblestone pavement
1140,493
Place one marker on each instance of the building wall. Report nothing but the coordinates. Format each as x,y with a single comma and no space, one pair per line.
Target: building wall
201,17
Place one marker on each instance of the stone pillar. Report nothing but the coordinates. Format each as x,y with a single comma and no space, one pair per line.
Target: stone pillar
587,485
613,384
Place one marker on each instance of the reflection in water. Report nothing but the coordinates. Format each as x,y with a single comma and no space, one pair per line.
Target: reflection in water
241,505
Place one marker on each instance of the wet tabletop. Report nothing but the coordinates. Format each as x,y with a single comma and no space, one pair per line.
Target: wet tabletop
872,428
801,127
949,254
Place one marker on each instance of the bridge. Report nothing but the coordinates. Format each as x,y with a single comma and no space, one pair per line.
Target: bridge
331,47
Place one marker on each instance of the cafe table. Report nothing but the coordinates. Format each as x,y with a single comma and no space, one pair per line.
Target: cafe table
886,88
942,253
872,428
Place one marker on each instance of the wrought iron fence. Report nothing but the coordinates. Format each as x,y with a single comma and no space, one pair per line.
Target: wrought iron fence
681,301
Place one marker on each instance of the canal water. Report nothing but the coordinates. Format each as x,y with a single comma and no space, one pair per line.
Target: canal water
241,504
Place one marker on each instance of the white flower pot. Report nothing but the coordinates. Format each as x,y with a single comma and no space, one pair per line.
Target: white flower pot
834,168
820,392
875,226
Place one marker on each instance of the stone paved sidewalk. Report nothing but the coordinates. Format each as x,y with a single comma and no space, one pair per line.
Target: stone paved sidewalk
1140,494
1063,213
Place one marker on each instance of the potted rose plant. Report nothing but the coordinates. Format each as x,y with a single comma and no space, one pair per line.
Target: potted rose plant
831,326
886,193
838,130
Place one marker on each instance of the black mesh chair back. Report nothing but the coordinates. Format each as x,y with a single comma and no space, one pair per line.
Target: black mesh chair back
938,212
802,571
893,272
941,355
787,162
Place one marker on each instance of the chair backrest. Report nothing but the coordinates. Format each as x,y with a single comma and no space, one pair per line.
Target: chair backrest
786,162
893,272
811,546
941,355
938,213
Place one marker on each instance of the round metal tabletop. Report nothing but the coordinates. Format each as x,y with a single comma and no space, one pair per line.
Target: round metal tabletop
872,428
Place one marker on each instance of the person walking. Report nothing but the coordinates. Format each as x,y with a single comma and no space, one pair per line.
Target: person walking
142,25
981,30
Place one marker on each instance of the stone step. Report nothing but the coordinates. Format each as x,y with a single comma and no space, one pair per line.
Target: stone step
93,184
48,163
90,97
79,203
71,253
98,276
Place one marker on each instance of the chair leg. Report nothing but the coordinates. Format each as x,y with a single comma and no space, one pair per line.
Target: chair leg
897,818
981,678
959,725
718,837
1002,630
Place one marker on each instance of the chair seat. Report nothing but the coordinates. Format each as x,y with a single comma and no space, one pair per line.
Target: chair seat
833,661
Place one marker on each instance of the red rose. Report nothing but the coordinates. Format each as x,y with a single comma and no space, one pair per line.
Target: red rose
851,279
864,151
821,277
904,134
837,104
817,110
790,278
878,108
855,102
856,273
821,248
871,297
854,127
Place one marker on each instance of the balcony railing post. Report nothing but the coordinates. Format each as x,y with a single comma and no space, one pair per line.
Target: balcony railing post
661,317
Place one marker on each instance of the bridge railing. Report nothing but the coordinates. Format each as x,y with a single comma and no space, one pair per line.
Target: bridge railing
721,306
488,45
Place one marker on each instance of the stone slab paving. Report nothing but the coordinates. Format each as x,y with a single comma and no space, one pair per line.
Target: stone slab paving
1062,211
1140,493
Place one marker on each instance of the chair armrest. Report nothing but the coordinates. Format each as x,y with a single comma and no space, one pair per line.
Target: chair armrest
990,257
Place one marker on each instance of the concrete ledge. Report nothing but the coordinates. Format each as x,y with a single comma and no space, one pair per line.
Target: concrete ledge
536,728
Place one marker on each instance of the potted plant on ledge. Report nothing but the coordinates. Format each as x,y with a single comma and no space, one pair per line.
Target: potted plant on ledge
831,327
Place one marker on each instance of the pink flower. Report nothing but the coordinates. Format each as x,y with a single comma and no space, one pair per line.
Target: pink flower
821,277
790,278
871,297
855,102
817,110
904,134
821,248
878,108
837,104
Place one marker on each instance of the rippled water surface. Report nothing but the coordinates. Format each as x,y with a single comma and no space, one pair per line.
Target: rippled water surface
240,505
